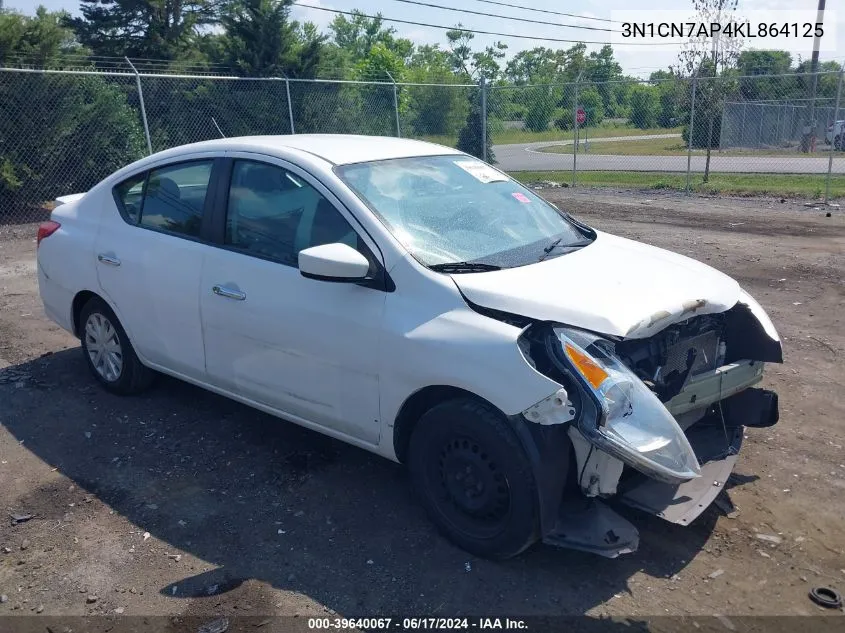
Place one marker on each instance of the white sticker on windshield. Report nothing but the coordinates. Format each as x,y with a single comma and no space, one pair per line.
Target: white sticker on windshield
481,171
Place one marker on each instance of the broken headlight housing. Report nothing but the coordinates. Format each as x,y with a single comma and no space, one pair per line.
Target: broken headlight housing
632,424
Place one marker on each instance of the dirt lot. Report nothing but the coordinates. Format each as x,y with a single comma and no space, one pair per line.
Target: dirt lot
181,502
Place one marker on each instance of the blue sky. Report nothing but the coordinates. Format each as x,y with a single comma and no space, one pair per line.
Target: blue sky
635,61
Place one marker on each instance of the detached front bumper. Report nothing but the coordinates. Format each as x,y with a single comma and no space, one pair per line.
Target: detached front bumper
590,524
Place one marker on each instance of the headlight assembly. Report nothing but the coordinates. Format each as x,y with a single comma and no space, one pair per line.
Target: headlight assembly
632,424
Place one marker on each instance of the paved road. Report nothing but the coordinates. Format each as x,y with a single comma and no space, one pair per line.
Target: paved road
525,157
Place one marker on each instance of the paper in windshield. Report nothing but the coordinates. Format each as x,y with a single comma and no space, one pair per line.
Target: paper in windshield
481,171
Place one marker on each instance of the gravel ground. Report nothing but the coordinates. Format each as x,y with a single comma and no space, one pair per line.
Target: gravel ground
182,503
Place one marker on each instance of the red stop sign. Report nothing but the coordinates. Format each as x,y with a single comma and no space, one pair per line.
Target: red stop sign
580,116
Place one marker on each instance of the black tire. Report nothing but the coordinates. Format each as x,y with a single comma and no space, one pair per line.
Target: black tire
474,479
837,143
132,377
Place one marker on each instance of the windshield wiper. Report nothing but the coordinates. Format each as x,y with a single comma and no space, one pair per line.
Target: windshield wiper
548,249
464,267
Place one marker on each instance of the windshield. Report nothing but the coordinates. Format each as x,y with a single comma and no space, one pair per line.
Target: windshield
449,209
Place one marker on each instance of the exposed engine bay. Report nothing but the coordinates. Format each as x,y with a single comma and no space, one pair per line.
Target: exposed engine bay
666,361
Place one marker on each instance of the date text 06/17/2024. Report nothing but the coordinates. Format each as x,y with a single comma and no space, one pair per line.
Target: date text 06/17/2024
414,624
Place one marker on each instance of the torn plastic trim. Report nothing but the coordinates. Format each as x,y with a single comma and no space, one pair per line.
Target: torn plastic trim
567,518
759,313
591,526
555,409
598,472
549,450
750,332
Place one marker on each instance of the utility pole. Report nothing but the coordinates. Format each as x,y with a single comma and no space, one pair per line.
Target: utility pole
809,132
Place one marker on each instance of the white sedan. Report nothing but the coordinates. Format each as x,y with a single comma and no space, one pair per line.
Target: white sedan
418,303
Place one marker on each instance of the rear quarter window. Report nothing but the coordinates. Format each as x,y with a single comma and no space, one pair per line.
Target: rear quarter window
128,196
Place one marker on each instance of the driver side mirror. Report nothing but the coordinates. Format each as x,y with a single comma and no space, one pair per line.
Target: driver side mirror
333,262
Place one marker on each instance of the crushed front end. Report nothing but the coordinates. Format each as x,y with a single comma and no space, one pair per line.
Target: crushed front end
655,422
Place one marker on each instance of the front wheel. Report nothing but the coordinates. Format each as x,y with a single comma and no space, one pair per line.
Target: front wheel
472,475
837,142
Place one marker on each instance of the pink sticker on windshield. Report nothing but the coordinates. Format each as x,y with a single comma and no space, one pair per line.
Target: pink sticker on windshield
521,197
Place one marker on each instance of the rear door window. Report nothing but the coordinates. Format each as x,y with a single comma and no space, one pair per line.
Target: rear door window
174,198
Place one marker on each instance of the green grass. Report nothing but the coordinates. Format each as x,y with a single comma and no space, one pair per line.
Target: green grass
510,137
667,147
787,185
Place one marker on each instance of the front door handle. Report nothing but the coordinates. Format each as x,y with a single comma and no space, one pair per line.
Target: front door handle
222,291
111,260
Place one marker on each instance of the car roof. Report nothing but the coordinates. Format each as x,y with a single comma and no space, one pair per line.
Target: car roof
339,149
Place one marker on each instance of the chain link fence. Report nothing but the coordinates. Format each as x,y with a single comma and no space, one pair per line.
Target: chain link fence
63,131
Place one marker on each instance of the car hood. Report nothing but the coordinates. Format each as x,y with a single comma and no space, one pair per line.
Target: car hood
614,286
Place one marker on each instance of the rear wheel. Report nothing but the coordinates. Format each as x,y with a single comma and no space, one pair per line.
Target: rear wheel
474,478
837,142
109,353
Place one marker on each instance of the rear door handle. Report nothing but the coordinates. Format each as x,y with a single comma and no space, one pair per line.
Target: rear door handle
222,291
108,259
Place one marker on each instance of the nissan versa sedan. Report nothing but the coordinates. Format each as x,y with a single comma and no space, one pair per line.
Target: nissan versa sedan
531,372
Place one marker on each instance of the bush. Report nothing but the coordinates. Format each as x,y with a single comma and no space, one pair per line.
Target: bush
645,106
62,134
435,110
564,119
515,112
539,112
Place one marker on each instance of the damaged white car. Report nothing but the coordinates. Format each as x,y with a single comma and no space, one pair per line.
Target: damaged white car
416,302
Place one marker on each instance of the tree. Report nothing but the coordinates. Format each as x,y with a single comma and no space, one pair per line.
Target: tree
546,65
261,40
601,67
590,98
645,106
151,29
704,57
259,36
538,65
433,109
356,36
669,95
474,64
540,110
470,137
758,67
40,40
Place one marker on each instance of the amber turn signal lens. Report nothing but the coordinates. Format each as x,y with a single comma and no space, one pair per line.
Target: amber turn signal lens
594,374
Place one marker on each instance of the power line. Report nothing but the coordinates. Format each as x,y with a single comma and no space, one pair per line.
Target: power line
475,31
506,17
568,15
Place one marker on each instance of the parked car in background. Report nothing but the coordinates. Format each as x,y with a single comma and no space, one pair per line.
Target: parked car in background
416,302
835,134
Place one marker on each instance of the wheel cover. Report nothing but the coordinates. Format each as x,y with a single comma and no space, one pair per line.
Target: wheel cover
103,346
475,495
